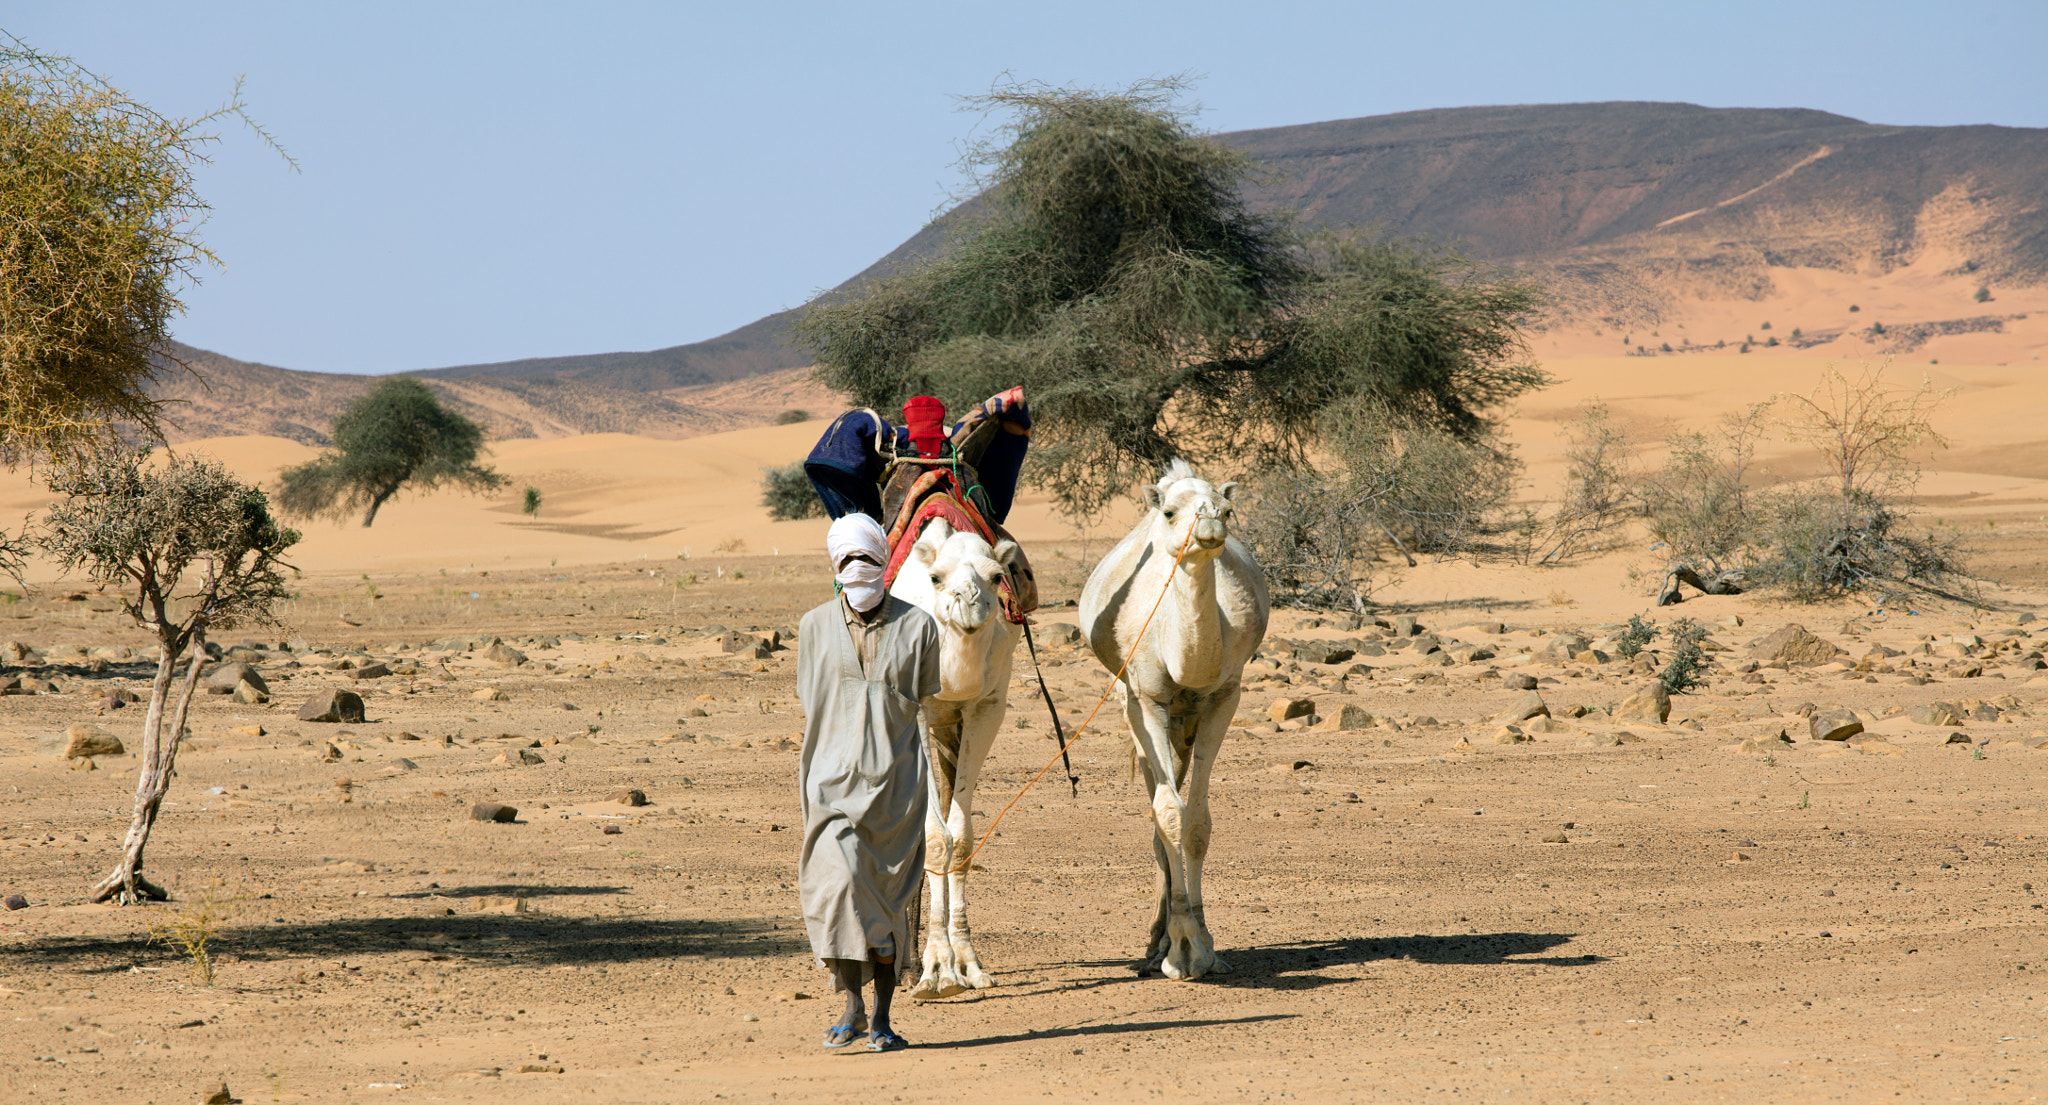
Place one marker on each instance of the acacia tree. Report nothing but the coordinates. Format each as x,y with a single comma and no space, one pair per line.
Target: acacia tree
397,436
188,549
99,226
1149,313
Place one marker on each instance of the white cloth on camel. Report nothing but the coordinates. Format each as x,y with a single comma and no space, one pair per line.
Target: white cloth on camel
861,581
864,779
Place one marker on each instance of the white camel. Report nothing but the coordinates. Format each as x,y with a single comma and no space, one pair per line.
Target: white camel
954,576
1181,681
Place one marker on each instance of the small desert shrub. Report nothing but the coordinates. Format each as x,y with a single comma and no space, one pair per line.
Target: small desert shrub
193,929
1598,459
1310,537
792,416
1422,488
1816,546
1699,504
1632,639
1687,660
788,495
1983,293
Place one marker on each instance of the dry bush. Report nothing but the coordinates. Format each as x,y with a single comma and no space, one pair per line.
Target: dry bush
1599,460
1700,505
788,494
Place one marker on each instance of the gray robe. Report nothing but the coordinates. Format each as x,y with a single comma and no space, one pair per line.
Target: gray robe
863,779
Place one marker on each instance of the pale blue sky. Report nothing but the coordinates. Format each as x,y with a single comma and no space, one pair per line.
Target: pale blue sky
490,181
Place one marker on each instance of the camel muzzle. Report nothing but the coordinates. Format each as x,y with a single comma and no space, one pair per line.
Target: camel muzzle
1210,533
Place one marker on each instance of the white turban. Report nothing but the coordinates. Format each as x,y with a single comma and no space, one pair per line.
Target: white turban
861,581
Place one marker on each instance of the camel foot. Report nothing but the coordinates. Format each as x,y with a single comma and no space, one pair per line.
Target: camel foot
978,978
930,988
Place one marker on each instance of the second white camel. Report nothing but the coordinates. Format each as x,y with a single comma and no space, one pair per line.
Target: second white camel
1180,680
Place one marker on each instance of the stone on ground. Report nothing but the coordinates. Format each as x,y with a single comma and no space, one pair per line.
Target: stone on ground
1936,713
1650,703
1794,645
1526,705
249,694
492,811
87,739
502,653
628,796
224,678
1284,709
1834,725
1348,719
333,706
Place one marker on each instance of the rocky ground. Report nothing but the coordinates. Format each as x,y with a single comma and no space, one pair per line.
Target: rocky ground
1477,859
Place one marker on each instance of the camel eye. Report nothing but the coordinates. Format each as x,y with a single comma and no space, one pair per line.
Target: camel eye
1169,516
935,581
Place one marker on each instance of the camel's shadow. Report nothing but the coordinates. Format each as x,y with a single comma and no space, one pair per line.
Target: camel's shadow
1293,965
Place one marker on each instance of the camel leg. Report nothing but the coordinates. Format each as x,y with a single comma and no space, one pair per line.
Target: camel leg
1208,740
939,979
1152,729
979,724
1162,889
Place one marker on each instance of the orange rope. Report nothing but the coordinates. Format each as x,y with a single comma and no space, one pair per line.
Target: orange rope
1114,680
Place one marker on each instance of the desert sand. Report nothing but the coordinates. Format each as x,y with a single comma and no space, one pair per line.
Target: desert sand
1611,909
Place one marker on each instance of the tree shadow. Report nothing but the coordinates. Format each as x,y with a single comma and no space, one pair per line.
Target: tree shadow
476,938
510,890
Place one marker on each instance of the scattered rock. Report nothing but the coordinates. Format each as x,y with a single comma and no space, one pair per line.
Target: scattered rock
498,904
502,653
1518,681
1059,633
333,706
538,1068
15,901
1322,652
1284,709
1405,626
1794,645
1512,734
1936,713
490,694
249,694
216,1095
628,796
1349,719
1526,705
1601,740
1557,838
611,830
86,739
1957,738
224,678
492,811
375,669
1650,703
1834,725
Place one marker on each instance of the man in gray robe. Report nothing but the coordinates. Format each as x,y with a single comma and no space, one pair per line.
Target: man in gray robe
865,661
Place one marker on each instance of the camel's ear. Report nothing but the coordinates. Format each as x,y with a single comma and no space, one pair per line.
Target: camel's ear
1152,495
1228,491
925,552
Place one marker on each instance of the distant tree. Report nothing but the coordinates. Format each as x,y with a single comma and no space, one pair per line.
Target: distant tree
395,437
788,495
141,529
1854,308
99,224
1150,314
529,504
1983,293
1766,325
792,416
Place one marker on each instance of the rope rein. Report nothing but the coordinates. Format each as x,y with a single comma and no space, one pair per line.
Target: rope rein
1089,720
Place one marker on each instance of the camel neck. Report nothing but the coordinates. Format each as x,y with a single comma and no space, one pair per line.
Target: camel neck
1191,641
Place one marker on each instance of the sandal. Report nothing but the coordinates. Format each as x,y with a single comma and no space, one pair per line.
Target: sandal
886,1040
840,1035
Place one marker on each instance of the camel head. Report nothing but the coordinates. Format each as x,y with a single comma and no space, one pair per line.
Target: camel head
955,575
1184,503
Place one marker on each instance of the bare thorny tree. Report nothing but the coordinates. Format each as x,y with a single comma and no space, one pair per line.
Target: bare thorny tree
188,549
